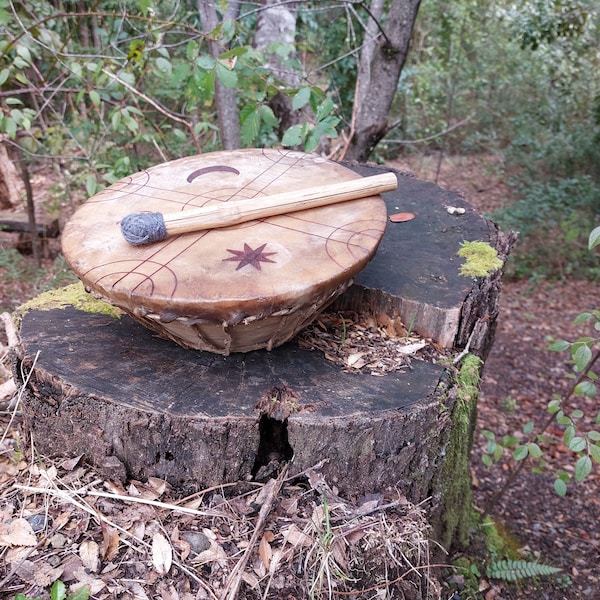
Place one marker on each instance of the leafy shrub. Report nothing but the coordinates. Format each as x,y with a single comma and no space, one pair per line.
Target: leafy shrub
553,219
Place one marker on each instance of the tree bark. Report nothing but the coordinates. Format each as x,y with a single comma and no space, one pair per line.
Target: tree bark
277,24
225,98
384,53
9,193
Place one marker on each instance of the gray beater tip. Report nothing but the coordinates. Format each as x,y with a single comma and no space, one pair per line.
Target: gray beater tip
143,228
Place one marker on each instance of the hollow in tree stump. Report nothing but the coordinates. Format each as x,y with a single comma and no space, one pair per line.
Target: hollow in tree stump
138,406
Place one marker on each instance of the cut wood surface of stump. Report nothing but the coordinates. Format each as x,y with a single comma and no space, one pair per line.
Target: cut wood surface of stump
99,384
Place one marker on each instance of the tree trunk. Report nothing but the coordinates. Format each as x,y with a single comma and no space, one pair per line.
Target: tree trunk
225,98
382,58
9,193
138,406
277,24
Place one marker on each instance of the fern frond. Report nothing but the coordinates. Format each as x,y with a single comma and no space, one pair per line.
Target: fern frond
513,570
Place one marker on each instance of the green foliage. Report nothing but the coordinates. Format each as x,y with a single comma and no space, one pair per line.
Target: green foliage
309,134
132,86
495,553
553,219
15,267
514,570
580,429
472,84
546,21
58,591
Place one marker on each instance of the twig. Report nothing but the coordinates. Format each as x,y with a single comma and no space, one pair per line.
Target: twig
230,592
393,126
16,404
11,332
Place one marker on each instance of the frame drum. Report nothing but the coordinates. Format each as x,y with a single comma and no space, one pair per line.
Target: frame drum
231,289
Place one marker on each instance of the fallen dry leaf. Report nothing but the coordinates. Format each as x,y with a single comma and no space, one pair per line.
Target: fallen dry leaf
89,552
17,533
265,552
162,554
296,537
401,217
45,574
71,463
110,542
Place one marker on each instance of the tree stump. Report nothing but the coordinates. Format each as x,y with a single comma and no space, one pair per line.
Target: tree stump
138,406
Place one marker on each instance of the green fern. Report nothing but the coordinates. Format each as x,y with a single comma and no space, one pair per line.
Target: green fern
513,570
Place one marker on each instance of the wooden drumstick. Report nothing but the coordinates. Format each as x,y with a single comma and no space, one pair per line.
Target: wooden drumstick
145,228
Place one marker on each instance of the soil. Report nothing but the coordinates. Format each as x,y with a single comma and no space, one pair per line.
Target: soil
520,377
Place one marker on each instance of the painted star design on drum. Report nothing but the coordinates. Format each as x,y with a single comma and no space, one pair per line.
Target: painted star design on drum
248,256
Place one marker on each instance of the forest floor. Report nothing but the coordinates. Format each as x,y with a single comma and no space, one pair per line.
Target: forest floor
519,378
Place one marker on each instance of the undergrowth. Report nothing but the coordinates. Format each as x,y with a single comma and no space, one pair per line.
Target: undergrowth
495,556
553,220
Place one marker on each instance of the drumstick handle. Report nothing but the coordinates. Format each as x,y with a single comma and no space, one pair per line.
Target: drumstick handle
239,211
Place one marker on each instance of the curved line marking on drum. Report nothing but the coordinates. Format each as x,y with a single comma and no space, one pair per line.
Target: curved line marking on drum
373,229
351,246
347,241
213,169
131,272
125,186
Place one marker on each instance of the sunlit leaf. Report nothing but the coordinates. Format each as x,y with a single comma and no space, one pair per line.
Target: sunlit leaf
534,450
560,487
94,97
301,98
226,76
520,452
553,406
594,238
325,109
577,444
595,453
268,116
582,356
585,388
58,591
568,434
250,127
164,66
82,593
24,53
558,346
205,61
294,135
583,467
91,185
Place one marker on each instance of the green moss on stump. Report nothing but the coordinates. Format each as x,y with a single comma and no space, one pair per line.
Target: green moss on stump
455,476
481,259
72,295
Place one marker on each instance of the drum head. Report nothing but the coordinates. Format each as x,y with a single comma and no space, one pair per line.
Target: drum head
225,276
